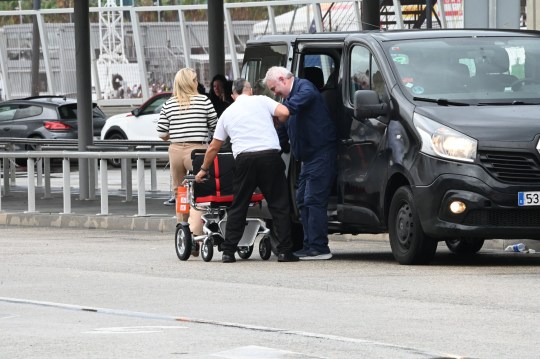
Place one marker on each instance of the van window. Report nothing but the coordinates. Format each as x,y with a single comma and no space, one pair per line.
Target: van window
364,73
318,68
472,70
258,59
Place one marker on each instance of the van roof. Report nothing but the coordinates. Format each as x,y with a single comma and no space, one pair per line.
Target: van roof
393,35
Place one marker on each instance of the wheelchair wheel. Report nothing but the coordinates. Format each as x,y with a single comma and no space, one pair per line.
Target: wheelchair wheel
245,252
182,241
265,248
207,250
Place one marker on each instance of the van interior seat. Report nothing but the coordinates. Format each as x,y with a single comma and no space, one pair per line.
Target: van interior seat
315,75
492,72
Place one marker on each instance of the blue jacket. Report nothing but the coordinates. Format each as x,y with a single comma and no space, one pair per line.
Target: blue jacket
310,127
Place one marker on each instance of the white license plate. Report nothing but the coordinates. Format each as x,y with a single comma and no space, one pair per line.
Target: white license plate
529,198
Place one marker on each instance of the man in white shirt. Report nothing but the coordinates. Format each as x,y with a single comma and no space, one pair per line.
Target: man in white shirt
255,146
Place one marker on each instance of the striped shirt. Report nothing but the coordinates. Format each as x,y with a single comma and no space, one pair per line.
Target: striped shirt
188,125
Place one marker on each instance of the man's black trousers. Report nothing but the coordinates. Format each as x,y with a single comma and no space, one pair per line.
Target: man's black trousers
266,170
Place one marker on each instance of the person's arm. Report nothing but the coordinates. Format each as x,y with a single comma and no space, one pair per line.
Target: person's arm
281,112
302,98
211,153
163,124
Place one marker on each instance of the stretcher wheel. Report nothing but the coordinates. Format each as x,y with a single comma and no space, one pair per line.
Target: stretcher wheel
207,250
182,241
245,252
265,248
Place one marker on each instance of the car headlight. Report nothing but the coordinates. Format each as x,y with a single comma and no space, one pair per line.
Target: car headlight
441,141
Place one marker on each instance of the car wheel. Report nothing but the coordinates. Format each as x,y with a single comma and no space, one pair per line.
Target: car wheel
409,243
28,147
115,162
464,246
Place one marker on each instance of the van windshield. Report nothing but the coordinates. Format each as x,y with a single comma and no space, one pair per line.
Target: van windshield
475,70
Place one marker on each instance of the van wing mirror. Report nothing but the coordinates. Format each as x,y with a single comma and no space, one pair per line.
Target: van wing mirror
135,112
368,105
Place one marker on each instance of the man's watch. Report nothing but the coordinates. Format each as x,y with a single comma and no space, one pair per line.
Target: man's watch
204,169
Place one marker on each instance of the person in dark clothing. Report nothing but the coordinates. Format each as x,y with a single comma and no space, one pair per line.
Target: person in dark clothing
218,94
313,139
255,145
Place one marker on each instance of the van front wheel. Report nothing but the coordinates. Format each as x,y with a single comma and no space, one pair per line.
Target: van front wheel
409,243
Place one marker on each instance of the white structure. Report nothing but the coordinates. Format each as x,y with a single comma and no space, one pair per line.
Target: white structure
111,40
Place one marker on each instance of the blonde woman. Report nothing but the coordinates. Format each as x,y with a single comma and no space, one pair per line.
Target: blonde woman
186,120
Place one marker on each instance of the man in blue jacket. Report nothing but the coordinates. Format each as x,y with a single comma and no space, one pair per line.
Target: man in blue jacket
313,142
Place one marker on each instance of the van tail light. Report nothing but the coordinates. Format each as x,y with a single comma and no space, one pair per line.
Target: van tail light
56,126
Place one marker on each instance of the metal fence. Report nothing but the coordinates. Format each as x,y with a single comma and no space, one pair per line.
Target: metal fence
136,50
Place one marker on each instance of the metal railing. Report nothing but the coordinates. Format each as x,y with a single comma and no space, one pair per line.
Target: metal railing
45,156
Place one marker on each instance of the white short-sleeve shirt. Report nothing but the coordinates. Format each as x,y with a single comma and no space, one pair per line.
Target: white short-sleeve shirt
248,122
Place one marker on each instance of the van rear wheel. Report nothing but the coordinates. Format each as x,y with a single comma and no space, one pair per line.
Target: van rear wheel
464,246
409,243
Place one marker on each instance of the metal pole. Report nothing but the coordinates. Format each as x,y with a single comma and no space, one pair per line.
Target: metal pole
429,10
35,51
371,15
104,187
31,186
67,185
141,200
84,89
216,48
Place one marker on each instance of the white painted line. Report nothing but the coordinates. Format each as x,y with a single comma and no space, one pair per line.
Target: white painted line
8,316
134,330
128,313
257,352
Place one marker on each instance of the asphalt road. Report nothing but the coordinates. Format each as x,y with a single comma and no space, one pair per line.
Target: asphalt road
103,294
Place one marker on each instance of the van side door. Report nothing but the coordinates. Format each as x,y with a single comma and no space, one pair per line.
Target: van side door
362,158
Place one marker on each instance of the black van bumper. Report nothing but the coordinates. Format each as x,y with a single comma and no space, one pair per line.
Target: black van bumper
492,209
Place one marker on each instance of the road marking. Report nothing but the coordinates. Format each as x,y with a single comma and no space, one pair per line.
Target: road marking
128,313
7,316
257,352
134,330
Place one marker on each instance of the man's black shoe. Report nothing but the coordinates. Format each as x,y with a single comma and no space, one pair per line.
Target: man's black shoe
228,258
287,257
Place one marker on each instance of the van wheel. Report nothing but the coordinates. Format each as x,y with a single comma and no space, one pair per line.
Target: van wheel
464,246
409,243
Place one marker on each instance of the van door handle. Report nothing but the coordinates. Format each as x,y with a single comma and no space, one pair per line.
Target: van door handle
347,141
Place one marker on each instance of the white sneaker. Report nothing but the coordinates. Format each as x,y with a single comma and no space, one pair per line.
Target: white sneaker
315,255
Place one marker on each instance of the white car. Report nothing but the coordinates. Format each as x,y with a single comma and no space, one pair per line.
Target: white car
139,124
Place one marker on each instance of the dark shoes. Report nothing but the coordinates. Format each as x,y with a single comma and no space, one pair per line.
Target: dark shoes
228,258
170,202
287,257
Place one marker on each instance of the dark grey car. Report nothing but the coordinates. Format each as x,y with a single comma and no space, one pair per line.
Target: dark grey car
44,117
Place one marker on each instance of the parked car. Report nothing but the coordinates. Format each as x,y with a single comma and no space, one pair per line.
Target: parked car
438,132
44,117
137,125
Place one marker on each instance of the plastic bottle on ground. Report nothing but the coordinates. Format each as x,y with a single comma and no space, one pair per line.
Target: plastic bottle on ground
518,247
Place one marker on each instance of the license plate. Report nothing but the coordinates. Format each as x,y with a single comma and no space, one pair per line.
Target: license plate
529,198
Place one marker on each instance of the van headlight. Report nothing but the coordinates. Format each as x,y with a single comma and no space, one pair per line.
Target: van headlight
441,141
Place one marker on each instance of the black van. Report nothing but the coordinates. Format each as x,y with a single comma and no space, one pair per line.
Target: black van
438,131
